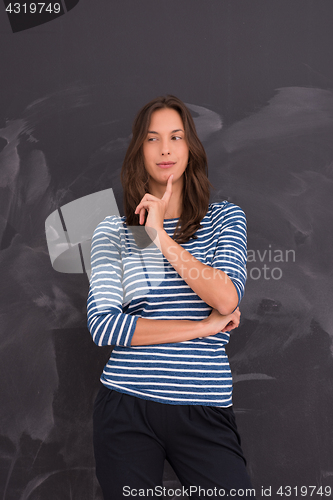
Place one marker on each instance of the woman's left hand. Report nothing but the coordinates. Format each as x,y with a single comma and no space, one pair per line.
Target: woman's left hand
234,321
155,207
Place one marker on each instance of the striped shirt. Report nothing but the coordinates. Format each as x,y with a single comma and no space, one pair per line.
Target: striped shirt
131,280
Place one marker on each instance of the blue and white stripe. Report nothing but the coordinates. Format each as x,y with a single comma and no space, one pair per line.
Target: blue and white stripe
128,282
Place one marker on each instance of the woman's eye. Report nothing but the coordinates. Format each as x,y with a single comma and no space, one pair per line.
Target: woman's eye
151,139
176,137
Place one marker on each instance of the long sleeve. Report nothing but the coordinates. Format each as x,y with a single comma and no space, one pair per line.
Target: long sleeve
107,322
231,250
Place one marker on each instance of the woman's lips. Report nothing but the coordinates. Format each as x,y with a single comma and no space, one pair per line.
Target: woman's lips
166,164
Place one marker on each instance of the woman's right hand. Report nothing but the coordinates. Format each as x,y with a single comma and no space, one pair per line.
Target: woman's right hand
217,322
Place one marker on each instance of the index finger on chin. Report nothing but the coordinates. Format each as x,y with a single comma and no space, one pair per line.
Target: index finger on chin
168,191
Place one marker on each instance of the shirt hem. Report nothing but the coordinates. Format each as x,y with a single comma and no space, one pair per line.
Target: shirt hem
166,401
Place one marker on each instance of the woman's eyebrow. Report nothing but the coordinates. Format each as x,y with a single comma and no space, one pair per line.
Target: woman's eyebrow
173,131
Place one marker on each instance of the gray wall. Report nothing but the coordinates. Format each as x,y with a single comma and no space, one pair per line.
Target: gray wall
261,75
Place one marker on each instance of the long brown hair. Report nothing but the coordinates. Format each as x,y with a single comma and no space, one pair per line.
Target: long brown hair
134,177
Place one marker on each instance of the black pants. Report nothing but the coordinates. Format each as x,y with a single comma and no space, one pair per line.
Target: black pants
133,437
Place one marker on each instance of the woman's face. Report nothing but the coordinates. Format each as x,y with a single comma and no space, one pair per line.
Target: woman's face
165,149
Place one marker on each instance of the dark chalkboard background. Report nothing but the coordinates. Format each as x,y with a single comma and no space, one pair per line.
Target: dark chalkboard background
259,77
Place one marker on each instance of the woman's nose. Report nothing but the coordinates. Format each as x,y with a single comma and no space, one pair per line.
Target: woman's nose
165,148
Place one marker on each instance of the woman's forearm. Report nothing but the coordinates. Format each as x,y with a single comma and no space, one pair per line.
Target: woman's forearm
163,331
213,286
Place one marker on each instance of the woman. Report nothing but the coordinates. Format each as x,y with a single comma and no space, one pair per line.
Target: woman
167,306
